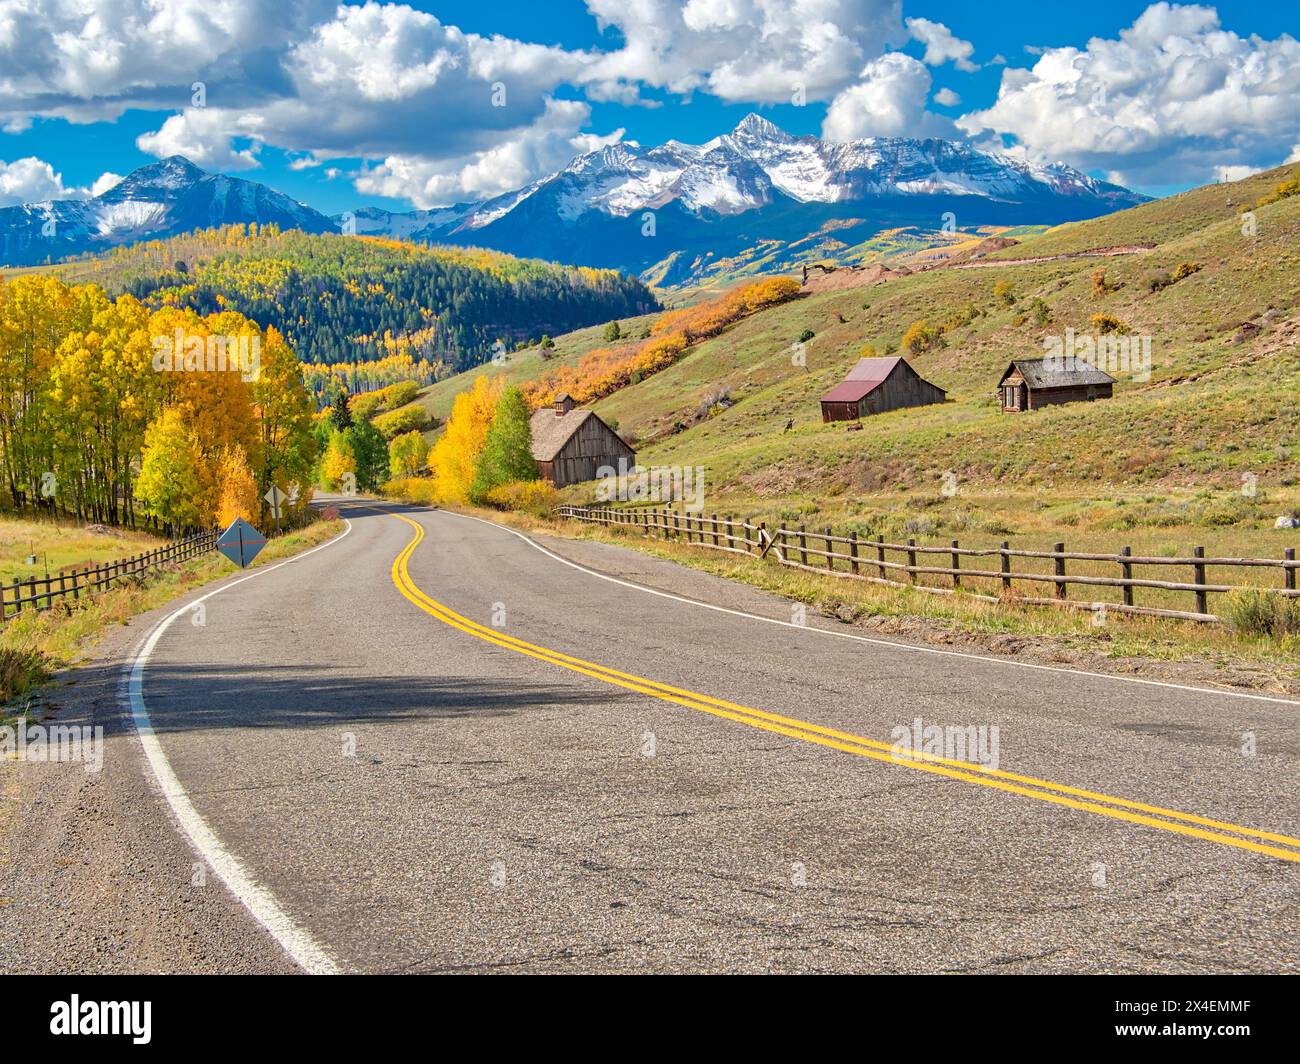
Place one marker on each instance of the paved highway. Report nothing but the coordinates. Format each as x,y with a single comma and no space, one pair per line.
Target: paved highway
437,745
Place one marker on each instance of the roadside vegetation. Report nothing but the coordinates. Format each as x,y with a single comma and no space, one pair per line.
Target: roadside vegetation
35,644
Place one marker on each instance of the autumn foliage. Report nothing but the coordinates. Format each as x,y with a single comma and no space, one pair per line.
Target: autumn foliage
606,370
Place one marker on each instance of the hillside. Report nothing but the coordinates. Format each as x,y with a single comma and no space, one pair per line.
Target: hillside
343,299
1222,402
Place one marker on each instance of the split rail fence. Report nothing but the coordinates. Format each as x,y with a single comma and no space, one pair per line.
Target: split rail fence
956,569
40,593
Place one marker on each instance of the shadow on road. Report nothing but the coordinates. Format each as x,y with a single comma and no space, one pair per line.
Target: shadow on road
189,697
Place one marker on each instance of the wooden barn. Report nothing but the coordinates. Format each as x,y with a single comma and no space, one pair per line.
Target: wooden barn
1033,384
876,385
570,445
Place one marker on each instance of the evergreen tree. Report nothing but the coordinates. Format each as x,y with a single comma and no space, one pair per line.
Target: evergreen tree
370,451
340,415
507,452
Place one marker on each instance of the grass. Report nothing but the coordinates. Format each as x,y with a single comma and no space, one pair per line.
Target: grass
57,544
34,645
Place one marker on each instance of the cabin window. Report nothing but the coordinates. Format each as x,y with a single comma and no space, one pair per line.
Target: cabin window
1009,399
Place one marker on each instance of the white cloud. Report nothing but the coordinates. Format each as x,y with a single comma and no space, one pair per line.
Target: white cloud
544,147
1175,98
888,101
33,180
1223,174
90,60
947,98
941,46
29,180
104,182
757,51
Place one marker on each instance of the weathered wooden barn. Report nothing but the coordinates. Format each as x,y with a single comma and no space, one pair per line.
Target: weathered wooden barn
876,385
1030,384
570,445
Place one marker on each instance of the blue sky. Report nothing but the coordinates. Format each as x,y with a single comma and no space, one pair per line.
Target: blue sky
343,106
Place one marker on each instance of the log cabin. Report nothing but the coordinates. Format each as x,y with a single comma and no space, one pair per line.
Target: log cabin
1030,384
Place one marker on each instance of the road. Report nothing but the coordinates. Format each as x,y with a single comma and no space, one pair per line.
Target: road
437,745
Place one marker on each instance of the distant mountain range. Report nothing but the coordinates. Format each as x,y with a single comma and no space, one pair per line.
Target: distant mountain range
671,213
164,199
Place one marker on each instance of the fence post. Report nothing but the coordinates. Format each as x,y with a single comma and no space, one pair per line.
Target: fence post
803,545
731,539
1006,565
1202,599
853,552
1061,590
762,535
830,552
1126,571
956,565
1289,573
911,560
880,551
713,523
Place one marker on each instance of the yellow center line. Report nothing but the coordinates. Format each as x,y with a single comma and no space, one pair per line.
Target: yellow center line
1170,820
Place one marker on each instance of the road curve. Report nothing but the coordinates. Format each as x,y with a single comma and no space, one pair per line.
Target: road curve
417,744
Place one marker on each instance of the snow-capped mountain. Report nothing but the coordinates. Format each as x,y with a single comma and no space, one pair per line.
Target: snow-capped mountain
160,200
756,184
757,196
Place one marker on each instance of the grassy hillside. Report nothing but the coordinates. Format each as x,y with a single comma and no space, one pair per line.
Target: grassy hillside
1165,455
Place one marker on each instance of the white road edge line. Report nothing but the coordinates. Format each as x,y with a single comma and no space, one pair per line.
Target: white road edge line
293,939
877,642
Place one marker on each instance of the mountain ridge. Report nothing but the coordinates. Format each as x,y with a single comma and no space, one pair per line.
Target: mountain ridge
675,212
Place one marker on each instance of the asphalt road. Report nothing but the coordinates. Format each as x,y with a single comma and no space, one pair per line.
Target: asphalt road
405,776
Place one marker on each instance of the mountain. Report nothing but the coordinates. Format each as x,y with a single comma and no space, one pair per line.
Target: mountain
164,199
754,194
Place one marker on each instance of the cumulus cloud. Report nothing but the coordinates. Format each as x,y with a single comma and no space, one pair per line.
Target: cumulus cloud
941,45
1175,98
947,98
760,51
888,101
544,147
90,60
33,180
104,182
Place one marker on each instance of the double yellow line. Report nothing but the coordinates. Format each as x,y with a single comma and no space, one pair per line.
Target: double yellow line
1285,848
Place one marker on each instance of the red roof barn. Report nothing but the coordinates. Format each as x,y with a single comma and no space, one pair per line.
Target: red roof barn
876,385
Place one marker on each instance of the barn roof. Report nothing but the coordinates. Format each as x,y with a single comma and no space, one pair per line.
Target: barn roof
1058,372
863,379
551,431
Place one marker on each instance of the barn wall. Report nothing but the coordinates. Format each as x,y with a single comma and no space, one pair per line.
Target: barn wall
1041,397
592,446
842,411
903,389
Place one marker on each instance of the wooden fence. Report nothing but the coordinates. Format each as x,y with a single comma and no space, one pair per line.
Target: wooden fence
71,583
915,565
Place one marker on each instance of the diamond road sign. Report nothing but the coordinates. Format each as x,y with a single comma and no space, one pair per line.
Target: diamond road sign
241,542
276,499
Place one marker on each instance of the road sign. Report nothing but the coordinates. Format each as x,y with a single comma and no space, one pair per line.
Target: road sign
275,499
241,542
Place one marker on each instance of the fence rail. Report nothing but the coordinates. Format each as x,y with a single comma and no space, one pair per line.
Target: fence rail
40,593
906,564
